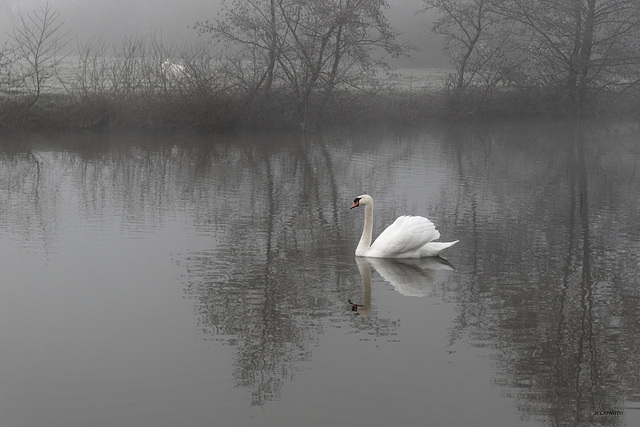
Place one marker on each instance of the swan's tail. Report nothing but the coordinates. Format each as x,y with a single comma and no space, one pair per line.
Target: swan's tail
436,248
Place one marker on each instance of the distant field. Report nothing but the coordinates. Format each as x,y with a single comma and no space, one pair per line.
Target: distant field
405,79
415,79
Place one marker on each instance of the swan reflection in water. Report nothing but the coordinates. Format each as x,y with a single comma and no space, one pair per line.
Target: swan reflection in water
414,277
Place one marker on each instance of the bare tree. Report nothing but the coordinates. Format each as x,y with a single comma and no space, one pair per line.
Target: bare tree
475,39
305,49
568,51
331,43
250,29
37,44
579,45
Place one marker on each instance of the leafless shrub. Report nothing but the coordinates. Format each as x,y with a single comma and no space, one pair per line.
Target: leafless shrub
92,68
37,43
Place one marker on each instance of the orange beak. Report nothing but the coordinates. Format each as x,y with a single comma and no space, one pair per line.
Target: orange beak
356,204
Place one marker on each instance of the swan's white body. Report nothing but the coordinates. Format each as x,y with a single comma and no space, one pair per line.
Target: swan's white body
407,237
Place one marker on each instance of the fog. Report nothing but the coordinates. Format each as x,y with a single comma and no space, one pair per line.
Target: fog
110,19
174,21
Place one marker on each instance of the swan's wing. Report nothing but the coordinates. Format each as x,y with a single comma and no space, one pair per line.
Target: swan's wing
433,249
406,234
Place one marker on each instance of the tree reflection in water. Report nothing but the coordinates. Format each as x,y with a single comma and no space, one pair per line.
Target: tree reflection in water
556,295
546,271
277,272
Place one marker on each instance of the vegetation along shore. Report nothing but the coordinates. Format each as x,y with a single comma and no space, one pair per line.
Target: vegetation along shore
300,64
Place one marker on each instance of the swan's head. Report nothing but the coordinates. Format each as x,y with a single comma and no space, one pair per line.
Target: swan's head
362,200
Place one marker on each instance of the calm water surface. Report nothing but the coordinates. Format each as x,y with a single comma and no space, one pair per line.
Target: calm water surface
197,280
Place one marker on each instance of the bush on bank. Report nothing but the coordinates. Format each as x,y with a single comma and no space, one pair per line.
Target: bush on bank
277,110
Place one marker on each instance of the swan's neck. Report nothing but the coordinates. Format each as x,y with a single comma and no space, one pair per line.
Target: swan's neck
365,240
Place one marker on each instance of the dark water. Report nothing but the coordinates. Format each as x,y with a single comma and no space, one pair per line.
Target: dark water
163,280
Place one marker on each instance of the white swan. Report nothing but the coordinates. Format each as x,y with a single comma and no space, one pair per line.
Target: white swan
407,237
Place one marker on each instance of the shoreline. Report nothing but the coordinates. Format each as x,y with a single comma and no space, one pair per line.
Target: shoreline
163,110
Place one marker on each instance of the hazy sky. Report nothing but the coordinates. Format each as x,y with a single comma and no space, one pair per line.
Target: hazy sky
112,18
174,19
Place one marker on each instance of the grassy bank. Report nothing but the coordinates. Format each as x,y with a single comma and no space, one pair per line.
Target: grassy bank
291,80
193,110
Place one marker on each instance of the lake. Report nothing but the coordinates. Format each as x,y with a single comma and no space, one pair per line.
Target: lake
164,279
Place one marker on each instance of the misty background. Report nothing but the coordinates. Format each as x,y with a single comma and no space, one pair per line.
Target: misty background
174,21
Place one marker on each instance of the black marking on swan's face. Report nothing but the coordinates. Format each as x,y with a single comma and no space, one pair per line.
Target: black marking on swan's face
356,202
